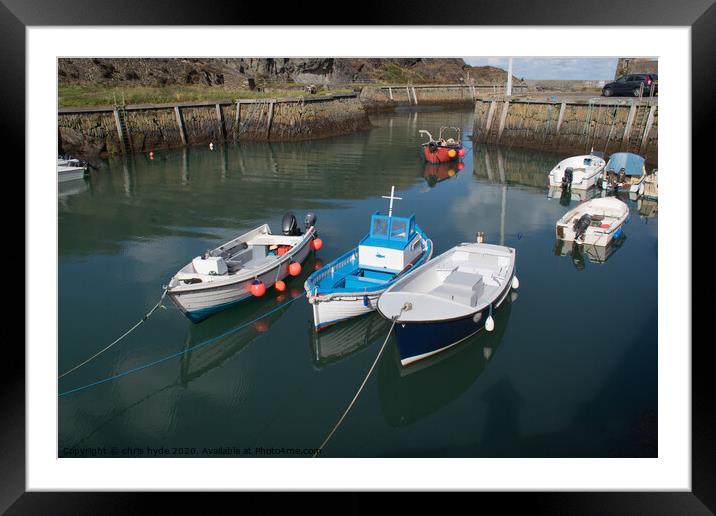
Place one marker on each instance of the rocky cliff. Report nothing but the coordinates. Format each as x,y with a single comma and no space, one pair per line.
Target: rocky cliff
236,72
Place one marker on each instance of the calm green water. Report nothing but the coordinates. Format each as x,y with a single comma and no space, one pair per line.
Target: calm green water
570,371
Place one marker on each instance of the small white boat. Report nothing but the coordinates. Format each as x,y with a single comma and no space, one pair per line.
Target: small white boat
351,284
578,172
624,172
449,298
70,169
649,188
596,222
241,268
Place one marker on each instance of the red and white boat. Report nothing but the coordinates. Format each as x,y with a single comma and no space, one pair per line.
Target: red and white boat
443,149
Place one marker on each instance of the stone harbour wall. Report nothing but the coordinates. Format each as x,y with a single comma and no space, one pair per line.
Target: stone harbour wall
570,126
91,132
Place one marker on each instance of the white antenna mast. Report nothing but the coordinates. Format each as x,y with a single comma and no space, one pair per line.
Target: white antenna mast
391,197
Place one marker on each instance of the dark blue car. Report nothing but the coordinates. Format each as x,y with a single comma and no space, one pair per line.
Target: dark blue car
632,85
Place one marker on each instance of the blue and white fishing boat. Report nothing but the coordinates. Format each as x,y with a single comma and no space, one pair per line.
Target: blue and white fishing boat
351,284
448,299
624,172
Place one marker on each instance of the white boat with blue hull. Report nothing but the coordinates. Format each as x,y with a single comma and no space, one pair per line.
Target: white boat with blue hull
448,299
350,285
231,273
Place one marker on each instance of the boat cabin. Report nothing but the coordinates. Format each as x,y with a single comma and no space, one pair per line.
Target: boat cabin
391,245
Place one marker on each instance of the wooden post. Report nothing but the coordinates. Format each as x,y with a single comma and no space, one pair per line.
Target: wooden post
270,118
627,128
490,114
238,120
390,90
503,117
407,91
647,129
180,123
219,121
415,96
560,117
118,123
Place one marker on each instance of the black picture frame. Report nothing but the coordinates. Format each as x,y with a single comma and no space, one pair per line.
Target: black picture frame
700,15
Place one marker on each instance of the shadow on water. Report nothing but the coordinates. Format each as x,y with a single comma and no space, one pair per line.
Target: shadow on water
581,252
408,394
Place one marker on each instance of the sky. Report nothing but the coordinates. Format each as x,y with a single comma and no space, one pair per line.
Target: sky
572,68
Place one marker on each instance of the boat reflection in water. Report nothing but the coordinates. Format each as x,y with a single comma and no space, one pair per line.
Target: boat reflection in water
342,340
582,252
648,208
224,333
410,393
567,196
435,173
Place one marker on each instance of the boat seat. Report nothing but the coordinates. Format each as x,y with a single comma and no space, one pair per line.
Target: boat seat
462,287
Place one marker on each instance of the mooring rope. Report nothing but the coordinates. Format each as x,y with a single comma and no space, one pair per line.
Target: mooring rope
177,354
365,380
147,316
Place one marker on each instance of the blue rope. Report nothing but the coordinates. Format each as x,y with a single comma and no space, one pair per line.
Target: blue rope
174,355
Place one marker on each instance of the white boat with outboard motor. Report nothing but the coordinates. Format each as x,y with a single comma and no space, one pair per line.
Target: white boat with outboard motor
351,284
595,222
70,169
578,172
241,268
448,299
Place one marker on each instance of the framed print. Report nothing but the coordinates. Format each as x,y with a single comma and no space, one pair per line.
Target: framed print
394,257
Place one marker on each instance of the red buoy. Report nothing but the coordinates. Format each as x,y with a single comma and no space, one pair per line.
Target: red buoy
317,264
460,165
283,249
258,288
280,286
461,152
294,269
316,244
296,291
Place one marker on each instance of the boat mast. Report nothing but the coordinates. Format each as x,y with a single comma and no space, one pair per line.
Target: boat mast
391,197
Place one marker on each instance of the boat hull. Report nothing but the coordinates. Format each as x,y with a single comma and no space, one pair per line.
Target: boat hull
555,181
441,154
417,340
70,173
342,307
199,303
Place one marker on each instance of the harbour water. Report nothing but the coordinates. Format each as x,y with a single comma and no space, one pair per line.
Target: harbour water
570,370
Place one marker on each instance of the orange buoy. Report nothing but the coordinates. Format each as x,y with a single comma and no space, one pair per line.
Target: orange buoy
318,264
280,286
258,288
461,152
452,153
281,298
294,269
451,173
261,326
316,244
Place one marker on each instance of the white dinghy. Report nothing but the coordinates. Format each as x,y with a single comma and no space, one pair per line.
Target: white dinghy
578,172
241,268
449,298
596,222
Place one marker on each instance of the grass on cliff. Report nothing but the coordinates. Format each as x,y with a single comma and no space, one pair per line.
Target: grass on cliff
73,95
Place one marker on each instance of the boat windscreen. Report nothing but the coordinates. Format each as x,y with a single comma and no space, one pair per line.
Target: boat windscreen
395,229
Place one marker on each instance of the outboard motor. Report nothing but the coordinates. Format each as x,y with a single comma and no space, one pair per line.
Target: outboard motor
567,178
565,198
580,226
289,225
310,220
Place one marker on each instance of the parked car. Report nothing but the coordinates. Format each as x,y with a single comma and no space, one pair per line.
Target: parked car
631,85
